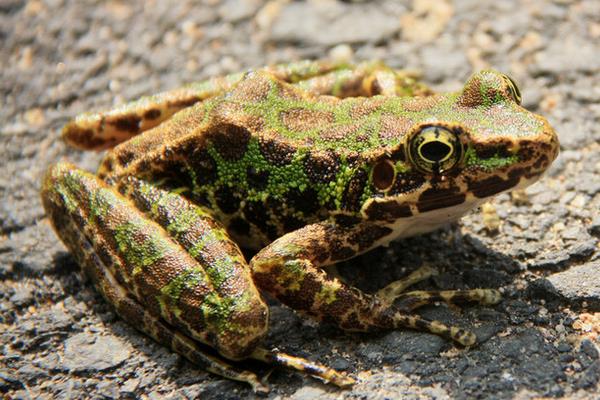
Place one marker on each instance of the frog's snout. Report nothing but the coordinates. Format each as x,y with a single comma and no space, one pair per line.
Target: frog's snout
536,154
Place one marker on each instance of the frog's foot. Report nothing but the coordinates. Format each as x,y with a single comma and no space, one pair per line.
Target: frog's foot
397,288
418,298
396,293
290,270
166,266
328,375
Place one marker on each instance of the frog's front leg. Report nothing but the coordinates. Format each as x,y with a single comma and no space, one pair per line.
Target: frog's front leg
290,269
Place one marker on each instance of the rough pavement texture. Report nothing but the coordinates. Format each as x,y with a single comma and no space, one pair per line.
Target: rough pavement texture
59,339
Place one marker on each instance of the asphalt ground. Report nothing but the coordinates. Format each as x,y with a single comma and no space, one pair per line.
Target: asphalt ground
59,339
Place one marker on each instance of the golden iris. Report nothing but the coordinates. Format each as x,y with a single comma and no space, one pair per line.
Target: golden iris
435,149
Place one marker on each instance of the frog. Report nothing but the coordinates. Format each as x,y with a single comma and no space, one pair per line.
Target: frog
211,195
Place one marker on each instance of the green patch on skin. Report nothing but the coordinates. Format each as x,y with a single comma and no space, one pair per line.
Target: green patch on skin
292,275
144,254
208,237
69,187
401,167
327,294
101,202
221,269
171,292
217,311
488,164
184,220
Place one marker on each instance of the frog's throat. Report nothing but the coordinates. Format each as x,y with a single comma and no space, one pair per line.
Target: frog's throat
428,221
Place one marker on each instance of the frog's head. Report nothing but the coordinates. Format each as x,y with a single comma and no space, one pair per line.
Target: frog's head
459,149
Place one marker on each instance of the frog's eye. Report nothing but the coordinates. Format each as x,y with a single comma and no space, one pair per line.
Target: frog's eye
513,89
435,149
383,175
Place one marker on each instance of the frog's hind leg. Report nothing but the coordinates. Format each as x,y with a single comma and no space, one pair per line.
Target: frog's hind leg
166,266
184,222
106,129
365,79
67,195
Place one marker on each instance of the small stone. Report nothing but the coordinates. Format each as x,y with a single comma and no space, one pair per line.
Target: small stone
339,364
577,284
589,348
108,389
129,387
29,373
309,393
326,23
23,296
594,227
85,352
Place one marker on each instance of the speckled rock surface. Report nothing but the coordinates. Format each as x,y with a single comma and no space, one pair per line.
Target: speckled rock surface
59,339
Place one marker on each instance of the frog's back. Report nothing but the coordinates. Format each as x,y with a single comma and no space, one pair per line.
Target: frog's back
266,158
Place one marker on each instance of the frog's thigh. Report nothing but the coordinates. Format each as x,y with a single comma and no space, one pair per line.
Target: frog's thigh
207,295
106,129
290,269
67,193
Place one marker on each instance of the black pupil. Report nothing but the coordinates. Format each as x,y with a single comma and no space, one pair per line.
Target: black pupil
435,151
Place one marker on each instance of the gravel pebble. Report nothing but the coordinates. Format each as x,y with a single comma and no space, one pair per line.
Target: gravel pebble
86,352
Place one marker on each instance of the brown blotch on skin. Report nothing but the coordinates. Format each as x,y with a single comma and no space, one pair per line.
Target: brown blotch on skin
495,184
204,166
153,113
257,179
416,104
374,87
183,103
276,151
501,149
255,87
300,119
394,127
231,141
338,132
351,198
84,138
387,210
471,95
290,92
227,199
127,123
368,235
542,162
406,182
339,252
321,166
366,107
345,220
434,198
124,157
352,88
306,201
